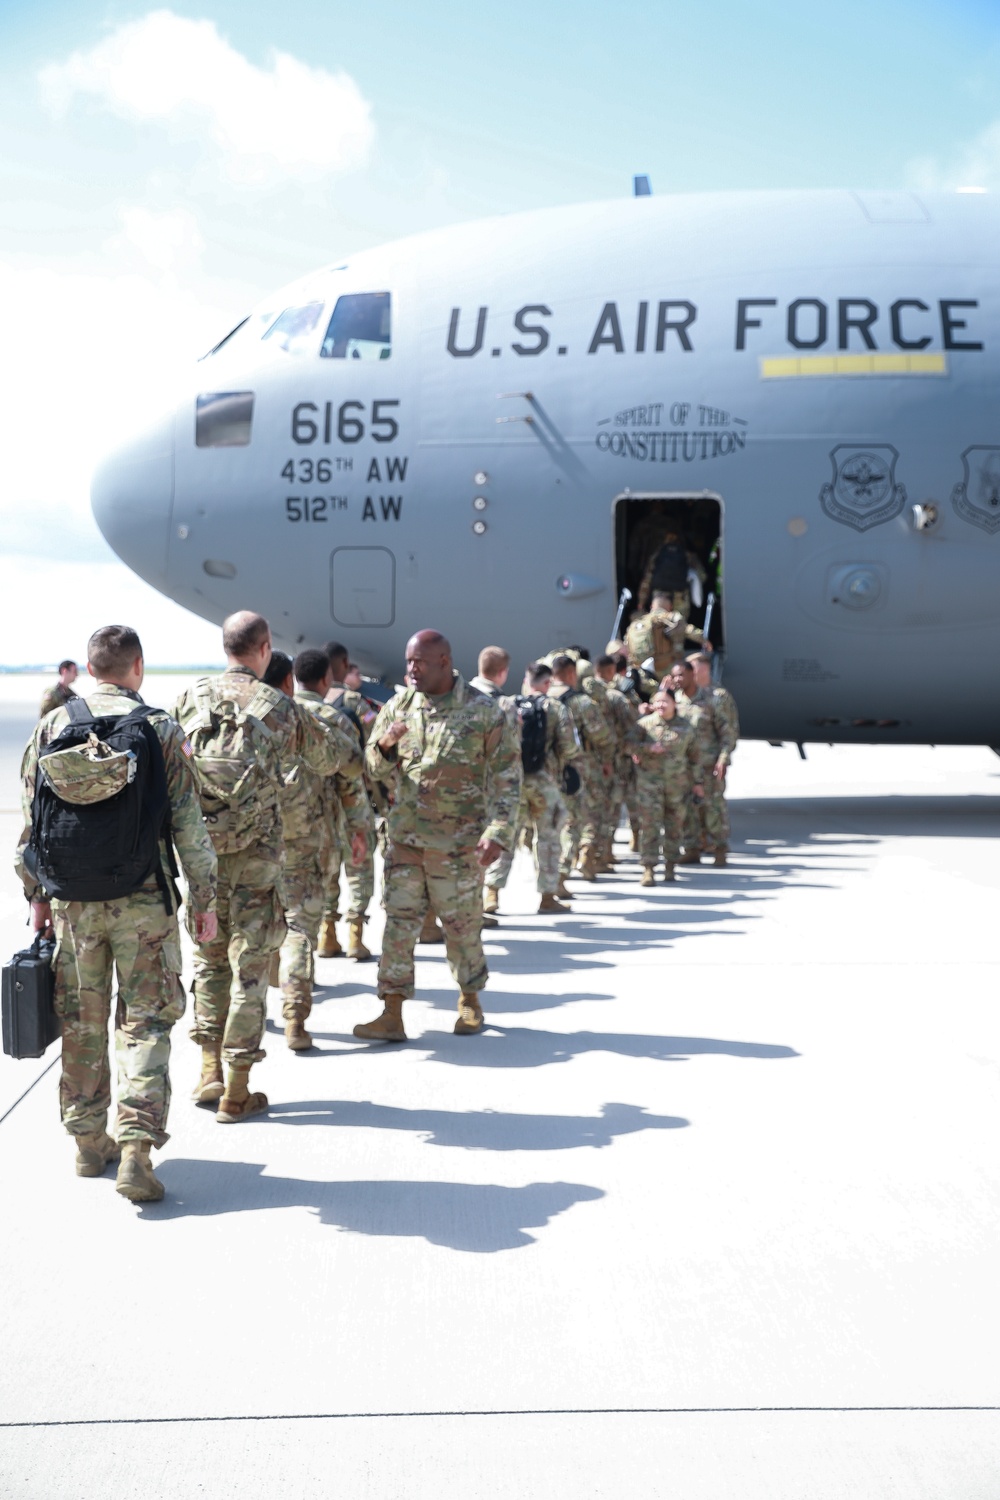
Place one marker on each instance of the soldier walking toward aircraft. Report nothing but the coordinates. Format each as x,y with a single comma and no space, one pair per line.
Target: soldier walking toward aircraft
707,829
660,636
548,747
60,693
581,831
91,796
241,731
306,839
458,777
360,877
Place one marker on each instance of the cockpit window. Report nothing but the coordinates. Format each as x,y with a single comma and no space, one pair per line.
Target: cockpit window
294,325
359,327
223,419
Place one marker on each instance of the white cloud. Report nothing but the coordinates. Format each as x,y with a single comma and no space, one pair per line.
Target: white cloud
976,164
169,241
267,123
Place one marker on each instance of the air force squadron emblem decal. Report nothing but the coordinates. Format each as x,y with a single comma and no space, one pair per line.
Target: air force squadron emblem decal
977,498
864,491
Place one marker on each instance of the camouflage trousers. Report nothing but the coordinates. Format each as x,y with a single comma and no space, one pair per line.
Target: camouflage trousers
542,808
585,815
707,826
619,789
450,884
231,973
136,937
360,879
662,811
303,885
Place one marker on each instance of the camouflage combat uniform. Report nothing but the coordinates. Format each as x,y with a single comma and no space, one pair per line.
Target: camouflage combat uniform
56,696
664,635
459,778
231,973
664,782
542,805
707,827
307,847
134,935
581,830
360,714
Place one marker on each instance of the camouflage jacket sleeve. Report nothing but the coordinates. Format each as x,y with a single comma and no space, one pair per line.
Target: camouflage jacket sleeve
693,752
29,768
600,740
191,838
728,723
381,767
325,743
564,746
503,761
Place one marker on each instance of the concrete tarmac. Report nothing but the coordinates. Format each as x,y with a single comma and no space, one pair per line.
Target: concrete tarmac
710,1209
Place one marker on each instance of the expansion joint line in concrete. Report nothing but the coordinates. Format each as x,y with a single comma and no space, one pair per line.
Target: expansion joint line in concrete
544,1411
31,1085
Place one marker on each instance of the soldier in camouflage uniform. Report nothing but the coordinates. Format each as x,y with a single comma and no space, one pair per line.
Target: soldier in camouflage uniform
360,877
458,778
669,768
707,827
621,719
242,731
581,831
663,635
59,694
306,841
135,935
542,806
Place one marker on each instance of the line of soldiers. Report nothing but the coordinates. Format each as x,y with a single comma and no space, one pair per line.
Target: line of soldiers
276,773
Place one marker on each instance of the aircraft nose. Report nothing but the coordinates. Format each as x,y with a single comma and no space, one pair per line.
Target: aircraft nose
131,495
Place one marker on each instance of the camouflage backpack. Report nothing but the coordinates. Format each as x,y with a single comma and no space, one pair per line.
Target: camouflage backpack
236,761
101,808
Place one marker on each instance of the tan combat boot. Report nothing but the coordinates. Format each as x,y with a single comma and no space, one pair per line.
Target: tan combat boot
355,947
491,900
470,1015
237,1103
551,903
297,1036
562,890
135,1176
93,1152
668,871
586,866
647,877
388,1027
633,840
431,932
274,973
328,945
690,857
720,856
210,1085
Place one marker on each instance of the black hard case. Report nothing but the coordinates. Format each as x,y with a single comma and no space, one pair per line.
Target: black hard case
30,1023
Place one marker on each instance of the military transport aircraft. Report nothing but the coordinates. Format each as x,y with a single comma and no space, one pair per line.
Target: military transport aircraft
490,429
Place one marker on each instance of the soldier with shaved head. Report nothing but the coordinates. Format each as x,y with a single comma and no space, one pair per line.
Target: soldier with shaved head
241,732
456,764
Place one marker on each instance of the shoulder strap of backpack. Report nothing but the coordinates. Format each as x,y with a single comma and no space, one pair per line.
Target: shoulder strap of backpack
78,711
264,701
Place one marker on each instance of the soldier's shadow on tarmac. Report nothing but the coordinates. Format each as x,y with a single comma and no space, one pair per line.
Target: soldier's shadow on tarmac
481,1218
480,1130
527,1047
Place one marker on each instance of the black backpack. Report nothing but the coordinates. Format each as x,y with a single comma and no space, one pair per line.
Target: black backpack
100,847
534,732
670,570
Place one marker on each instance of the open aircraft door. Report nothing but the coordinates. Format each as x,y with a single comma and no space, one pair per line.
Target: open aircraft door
642,522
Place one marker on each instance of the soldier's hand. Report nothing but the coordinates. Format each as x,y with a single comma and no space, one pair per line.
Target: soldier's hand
41,916
359,847
698,791
656,748
392,736
487,850
719,770
206,926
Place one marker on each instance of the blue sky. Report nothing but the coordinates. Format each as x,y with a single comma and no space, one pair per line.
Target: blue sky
163,167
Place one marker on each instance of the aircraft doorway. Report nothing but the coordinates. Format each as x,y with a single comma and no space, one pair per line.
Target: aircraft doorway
642,523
